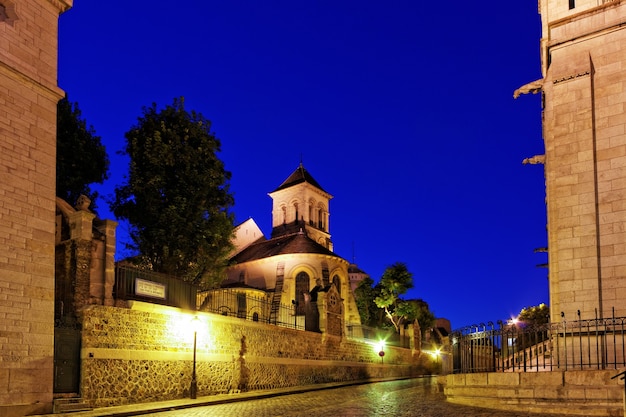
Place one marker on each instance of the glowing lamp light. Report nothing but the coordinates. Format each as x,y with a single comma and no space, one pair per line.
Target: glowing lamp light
380,347
436,354
195,324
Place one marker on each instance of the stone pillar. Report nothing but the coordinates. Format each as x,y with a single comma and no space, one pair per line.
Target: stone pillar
81,225
108,229
28,101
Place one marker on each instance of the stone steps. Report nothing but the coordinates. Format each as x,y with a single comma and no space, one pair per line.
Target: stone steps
68,405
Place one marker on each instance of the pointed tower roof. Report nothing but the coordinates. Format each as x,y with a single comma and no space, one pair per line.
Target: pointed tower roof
300,175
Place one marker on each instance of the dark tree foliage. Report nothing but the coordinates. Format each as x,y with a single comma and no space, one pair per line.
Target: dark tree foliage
420,312
365,293
81,158
176,197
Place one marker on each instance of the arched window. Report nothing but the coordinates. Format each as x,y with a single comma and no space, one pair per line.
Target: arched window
337,283
320,219
284,210
242,276
295,207
255,316
302,286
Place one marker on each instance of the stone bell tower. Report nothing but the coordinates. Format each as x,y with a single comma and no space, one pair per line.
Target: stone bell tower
28,103
583,86
301,204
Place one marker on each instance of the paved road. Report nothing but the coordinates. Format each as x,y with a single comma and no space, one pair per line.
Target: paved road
408,398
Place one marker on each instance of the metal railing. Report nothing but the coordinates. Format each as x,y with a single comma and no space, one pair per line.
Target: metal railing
516,347
137,284
240,303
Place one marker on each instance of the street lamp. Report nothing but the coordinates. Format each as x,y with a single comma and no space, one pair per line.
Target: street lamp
193,390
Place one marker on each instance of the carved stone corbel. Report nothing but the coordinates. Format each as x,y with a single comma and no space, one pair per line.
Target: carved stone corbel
537,159
533,87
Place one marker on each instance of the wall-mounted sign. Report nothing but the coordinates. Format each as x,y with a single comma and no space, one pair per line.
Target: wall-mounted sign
149,289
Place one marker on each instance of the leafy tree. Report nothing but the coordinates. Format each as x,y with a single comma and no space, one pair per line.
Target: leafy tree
81,158
396,280
527,328
535,315
365,293
176,198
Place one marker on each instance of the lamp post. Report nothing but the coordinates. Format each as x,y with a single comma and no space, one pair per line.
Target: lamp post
193,390
381,350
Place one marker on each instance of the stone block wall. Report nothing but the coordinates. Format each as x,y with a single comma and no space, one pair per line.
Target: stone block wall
583,393
584,128
145,353
28,100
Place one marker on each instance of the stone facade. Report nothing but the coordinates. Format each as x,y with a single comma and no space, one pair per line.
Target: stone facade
145,353
299,255
583,49
28,101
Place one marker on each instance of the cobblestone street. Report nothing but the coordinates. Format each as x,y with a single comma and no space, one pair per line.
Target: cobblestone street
408,398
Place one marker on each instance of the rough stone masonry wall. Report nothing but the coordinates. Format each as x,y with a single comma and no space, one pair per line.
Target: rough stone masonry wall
28,98
582,393
145,354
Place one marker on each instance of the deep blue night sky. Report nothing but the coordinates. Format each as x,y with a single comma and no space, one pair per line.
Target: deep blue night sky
404,112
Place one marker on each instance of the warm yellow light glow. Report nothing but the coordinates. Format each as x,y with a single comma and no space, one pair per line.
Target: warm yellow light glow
195,324
435,353
380,346
181,327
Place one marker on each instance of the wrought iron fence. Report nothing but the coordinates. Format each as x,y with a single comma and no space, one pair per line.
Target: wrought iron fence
136,284
517,347
240,303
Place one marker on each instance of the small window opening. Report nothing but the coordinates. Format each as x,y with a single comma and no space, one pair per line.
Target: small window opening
572,4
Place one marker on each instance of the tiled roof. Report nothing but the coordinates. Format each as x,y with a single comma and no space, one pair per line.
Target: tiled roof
353,269
300,175
288,228
286,244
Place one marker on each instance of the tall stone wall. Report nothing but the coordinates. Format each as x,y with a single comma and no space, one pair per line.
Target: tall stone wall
28,100
584,125
145,353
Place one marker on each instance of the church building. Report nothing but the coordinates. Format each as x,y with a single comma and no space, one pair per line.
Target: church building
297,262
